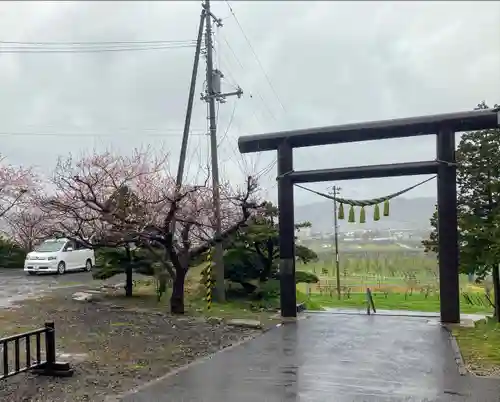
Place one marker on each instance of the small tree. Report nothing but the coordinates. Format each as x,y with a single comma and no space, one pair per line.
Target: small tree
431,244
72,219
11,254
252,258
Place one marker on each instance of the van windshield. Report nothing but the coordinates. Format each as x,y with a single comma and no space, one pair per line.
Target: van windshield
49,246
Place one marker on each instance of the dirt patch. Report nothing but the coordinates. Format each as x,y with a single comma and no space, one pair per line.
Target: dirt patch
145,300
120,349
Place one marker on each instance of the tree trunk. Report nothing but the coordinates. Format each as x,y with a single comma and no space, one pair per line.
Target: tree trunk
128,273
177,298
496,290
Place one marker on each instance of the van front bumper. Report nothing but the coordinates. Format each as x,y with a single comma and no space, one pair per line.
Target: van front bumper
40,266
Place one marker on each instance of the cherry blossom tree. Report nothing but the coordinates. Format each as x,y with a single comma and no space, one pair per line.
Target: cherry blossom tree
194,235
15,184
28,226
89,204
134,199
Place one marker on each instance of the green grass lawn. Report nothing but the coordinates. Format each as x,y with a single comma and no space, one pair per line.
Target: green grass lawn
195,305
480,346
393,301
381,279
264,311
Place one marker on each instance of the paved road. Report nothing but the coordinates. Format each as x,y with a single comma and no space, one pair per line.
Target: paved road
15,285
330,357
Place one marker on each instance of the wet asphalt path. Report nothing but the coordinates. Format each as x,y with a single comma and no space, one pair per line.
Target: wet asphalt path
328,357
15,285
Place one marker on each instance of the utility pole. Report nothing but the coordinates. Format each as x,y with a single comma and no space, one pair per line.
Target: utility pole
213,94
189,111
336,237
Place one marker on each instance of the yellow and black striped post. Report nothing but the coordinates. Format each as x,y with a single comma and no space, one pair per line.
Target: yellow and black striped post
208,281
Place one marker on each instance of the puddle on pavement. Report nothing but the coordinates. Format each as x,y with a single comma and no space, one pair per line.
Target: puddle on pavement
10,301
21,292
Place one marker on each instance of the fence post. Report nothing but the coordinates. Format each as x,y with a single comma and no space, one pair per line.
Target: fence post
50,344
368,310
370,304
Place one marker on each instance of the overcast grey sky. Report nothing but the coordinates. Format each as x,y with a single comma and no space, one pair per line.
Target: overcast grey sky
329,63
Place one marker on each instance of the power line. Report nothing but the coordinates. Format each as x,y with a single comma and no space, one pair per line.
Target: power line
264,103
238,158
87,134
91,50
49,127
232,51
92,43
228,125
267,169
256,57
254,115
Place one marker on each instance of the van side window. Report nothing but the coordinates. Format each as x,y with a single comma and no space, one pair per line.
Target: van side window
69,244
81,246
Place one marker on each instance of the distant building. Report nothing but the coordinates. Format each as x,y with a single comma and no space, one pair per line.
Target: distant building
303,233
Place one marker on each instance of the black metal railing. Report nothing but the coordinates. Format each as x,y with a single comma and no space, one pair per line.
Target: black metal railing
18,356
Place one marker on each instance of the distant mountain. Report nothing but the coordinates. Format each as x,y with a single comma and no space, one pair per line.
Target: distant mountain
405,213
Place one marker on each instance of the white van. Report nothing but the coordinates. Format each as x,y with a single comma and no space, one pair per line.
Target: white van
59,256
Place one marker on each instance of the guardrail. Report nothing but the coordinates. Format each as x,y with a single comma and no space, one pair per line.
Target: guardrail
23,359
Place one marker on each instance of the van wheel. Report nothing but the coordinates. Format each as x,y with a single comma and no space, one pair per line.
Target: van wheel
61,268
88,266
31,273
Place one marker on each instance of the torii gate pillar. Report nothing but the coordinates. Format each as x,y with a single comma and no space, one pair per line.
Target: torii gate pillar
288,297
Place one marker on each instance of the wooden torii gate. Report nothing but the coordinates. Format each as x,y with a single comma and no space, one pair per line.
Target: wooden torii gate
444,126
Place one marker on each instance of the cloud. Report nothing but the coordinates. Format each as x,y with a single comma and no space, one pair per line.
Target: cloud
328,62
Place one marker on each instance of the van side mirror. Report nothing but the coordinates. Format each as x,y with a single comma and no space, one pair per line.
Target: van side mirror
69,249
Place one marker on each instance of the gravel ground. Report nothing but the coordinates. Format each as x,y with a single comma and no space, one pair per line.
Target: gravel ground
484,372
120,349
